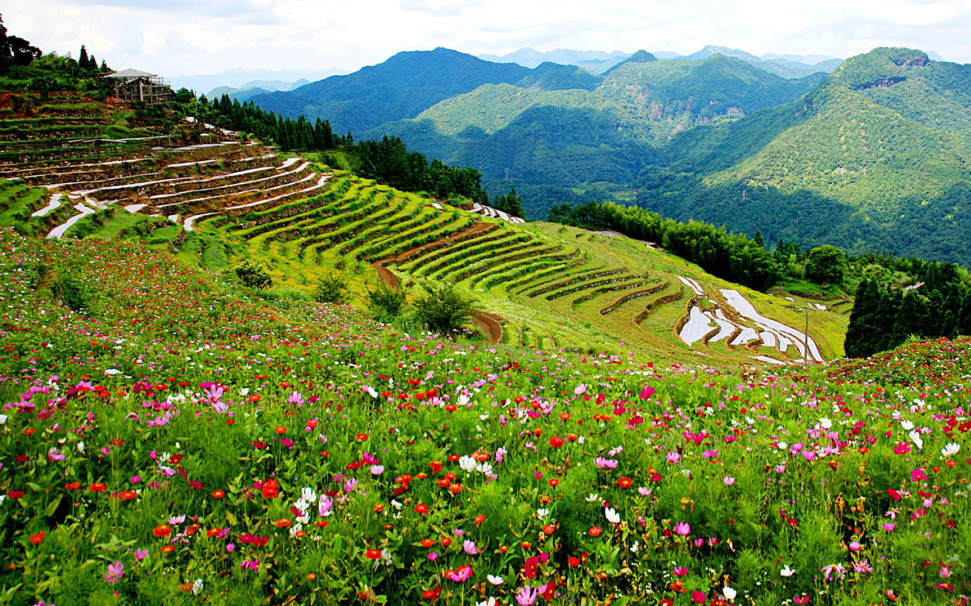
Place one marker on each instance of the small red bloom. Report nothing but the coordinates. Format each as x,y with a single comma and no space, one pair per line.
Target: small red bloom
36,539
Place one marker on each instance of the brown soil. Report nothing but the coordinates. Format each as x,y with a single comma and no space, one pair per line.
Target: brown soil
490,324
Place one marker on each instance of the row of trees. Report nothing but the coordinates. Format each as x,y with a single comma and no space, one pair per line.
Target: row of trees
386,161
884,316
730,256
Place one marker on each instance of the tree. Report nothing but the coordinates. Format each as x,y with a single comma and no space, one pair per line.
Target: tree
386,302
826,265
253,275
511,204
331,289
14,50
443,309
83,58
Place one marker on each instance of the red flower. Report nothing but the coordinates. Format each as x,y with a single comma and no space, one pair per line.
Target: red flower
15,494
556,442
549,529
427,543
595,531
270,489
98,487
697,597
372,554
432,594
625,483
36,539
421,508
218,494
162,530
362,437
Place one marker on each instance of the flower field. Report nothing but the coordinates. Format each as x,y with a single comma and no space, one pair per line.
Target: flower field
169,439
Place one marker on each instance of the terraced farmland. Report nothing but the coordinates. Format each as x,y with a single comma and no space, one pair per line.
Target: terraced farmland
214,198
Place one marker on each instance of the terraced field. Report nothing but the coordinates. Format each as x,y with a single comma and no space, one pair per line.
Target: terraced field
214,198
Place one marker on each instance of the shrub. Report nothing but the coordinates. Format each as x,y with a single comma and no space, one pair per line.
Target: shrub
331,289
443,309
72,293
254,276
386,302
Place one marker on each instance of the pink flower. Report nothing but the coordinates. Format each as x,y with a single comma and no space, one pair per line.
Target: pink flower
889,526
526,596
469,547
115,572
682,529
647,392
728,480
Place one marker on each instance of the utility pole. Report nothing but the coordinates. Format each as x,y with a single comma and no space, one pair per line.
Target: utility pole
805,335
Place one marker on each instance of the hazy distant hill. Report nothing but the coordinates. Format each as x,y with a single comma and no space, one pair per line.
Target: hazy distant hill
242,78
878,156
595,62
401,87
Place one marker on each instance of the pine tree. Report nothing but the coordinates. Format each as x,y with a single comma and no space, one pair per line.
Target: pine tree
83,59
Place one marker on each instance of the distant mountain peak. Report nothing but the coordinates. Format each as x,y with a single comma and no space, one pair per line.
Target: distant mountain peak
641,56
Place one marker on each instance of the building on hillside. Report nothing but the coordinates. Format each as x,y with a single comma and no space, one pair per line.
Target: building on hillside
134,85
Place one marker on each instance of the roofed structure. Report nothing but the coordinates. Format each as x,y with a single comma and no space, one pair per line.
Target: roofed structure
135,85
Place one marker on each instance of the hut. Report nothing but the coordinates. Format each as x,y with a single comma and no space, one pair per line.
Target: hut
134,85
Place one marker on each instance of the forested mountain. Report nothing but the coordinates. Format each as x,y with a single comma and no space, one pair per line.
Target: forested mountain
873,156
399,88
877,157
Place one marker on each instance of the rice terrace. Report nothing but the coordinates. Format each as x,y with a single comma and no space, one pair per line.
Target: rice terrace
247,359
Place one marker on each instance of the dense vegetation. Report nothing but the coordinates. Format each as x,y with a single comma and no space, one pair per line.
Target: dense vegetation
885,316
730,256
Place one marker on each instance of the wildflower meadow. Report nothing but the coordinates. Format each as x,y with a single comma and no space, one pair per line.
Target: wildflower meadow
167,438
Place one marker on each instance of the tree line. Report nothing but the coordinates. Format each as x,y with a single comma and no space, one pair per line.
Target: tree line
885,316
729,256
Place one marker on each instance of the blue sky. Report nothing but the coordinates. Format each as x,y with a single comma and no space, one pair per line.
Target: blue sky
206,36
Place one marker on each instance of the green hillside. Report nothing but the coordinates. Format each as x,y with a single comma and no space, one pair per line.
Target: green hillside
880,151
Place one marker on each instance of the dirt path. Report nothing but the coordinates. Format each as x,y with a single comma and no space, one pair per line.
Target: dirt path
490,323
386,276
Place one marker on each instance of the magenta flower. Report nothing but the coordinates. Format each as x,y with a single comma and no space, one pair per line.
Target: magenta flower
115,572
647,392
682,529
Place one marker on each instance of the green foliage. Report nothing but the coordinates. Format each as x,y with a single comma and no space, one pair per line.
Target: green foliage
884,316
385,302
730,256
74,293
511,204
14,51
826,265
253,275
331,289
443,309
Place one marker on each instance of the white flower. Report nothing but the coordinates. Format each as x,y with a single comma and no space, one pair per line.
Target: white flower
542,513
593,497
612,515
950,449
783,445
635,546
494,580
81,447
488,602
915,437
308,495
197,586
484,468
825,423
244,391
787,572
729,593
3,419
907,425
467,463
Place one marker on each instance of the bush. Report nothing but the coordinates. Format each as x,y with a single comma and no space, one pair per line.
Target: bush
331,289
386,302
72,293
254,276
443,309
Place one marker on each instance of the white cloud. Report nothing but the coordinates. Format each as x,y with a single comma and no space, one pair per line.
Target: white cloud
206,36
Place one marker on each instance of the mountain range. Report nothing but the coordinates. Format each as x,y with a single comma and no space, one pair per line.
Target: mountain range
873,155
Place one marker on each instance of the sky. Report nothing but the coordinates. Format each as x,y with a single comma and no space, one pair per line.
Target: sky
181,37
